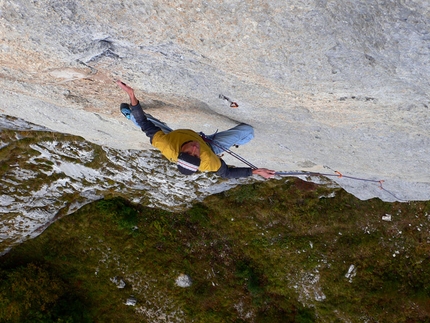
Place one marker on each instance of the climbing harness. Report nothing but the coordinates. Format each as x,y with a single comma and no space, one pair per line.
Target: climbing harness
300,173
228,151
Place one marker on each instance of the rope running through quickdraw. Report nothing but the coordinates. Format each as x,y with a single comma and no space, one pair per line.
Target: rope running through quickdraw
302,173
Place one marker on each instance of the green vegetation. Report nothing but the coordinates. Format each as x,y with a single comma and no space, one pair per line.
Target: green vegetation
275,251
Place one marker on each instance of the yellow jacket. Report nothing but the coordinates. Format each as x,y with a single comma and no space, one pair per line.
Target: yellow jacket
170,146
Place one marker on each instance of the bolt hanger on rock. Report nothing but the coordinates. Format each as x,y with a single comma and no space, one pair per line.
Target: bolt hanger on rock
232,103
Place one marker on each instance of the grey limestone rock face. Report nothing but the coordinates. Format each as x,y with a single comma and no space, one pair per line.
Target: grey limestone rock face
339,83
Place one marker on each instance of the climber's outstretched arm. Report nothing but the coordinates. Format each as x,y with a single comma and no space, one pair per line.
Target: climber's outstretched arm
147,126
133,100
237,172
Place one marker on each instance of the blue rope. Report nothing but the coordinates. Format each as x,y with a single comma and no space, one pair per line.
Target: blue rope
336,173
323,174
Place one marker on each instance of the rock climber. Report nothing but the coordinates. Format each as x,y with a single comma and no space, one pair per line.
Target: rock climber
187,148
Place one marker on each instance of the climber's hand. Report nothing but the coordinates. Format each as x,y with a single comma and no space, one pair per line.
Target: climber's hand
264,172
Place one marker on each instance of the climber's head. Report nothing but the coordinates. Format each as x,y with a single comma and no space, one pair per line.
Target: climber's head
189,158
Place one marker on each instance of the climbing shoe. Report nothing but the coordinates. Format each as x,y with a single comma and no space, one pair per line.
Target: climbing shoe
125,110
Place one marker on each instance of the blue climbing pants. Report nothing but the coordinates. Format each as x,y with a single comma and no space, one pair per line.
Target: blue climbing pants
238,135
